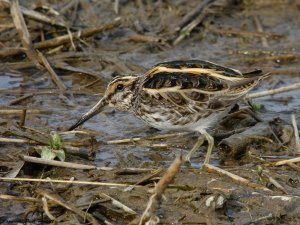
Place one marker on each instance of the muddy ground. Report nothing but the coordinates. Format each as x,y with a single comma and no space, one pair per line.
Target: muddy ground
129,37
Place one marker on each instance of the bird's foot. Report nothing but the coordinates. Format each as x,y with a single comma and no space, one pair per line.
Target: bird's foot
187,160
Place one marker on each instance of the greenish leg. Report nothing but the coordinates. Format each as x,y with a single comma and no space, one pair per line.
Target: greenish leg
199,142
210,141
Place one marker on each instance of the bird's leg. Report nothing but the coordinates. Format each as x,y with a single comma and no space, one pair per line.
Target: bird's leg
210,141
250,110
251,113
199,142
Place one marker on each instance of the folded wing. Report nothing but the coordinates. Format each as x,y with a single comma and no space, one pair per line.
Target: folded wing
202,84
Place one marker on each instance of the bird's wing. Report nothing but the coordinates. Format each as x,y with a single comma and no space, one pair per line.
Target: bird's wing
198,82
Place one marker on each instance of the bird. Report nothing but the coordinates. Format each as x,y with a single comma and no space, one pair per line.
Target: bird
190,95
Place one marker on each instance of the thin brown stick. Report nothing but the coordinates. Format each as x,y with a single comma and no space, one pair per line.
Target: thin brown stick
145,38
119,204
23,118
243,33
42,18
64,38
236,178
274,91
260,29
149,214
18,100
66,205
14,140
51,72
160,136
9,179
282,162
148,177
46,209
19,198
192,14
32,14
19,111
276,183
77,165
200,15
37,58
23,31
168,177
58,163
294,166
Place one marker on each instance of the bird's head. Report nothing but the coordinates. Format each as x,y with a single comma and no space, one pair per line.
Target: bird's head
119,94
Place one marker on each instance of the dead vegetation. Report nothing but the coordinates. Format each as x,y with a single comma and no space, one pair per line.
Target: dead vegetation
56,58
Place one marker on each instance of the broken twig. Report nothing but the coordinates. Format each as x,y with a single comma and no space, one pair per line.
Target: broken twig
296,133
236,178
58,163
8,179
274,91
282,162
150,212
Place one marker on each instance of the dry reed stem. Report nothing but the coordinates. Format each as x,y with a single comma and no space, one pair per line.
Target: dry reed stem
46,209
58,163
149,215
234,177
119,204
274,91
54,42
19,198
243,33
295,167
66,205
18,100
19,111
260,29
296,133
145,38
51,72
21,27
116,6
282,162
8,179
38,58
73,165
160,136
23,117
276,183
32,14
192,14
148,177
196,18
16,140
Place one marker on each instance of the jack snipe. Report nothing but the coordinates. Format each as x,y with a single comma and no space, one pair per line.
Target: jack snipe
179,95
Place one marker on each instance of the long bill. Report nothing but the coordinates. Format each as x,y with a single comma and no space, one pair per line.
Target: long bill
93,111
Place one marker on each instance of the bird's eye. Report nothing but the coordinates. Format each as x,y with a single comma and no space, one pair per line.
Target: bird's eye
120,87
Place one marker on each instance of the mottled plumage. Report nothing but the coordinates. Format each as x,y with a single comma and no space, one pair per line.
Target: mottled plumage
179,95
